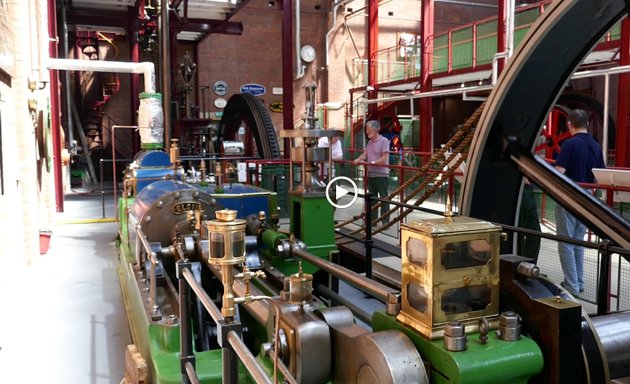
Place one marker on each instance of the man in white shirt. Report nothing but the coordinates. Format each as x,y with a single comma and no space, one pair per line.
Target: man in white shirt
336,151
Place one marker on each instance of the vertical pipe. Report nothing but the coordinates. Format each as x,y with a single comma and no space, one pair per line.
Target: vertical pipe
172,70
54,107
287,78
134,102
199,93
166,71
509,27
372,49
299,70
66,77
332,28
501,38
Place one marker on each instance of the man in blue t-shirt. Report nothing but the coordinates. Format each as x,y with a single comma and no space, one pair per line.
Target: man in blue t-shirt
578,156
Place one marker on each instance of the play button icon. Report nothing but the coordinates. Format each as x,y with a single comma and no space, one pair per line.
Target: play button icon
340,192
343,186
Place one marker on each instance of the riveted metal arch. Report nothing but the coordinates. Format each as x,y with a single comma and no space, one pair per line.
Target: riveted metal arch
525,93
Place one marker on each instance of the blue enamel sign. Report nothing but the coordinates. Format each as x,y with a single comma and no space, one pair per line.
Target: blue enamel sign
253,89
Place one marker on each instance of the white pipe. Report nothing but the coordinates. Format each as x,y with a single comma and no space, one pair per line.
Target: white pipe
145,68
509,29
601,72
150,113
334,25
443,92
43,40
337,4
495,65
299,69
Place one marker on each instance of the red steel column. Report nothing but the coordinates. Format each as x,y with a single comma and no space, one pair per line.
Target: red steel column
426,66
372,49
287,72
54,106
622,153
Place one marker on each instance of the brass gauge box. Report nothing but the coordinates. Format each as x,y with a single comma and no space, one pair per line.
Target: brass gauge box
450,272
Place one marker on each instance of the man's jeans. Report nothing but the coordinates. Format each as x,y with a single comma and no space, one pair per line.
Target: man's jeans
571,256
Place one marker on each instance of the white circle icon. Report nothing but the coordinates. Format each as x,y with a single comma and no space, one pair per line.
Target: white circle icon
341,191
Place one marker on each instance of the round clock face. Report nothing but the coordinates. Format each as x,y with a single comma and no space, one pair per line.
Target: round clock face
307,53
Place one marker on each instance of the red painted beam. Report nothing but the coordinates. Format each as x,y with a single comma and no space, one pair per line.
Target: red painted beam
100,18
622,153
426,67
287,71
54,107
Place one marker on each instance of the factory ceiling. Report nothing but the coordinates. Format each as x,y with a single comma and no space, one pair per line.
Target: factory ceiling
210,16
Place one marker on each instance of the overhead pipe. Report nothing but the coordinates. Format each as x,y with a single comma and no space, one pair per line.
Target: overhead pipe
299,68
337,4
165,53
145,68
150,111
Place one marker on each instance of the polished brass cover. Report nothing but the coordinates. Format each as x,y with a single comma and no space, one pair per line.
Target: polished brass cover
450,272
300,288
226,236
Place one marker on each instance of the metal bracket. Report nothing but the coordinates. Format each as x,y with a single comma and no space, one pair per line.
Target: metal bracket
223,328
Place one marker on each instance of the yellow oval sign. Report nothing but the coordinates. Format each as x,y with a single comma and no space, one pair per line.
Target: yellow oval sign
276,106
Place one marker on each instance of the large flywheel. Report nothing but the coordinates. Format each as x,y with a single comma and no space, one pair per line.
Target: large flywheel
525,94
246,119
500,153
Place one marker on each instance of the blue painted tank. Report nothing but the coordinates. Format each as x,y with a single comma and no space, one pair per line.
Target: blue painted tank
150,166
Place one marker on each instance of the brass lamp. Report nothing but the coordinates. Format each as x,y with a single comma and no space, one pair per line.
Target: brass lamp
450,273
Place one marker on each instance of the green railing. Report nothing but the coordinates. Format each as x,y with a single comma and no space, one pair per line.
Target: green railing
461,48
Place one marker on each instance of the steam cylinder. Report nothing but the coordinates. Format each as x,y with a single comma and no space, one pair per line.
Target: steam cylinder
161,207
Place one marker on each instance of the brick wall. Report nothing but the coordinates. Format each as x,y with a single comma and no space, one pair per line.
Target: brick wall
27,200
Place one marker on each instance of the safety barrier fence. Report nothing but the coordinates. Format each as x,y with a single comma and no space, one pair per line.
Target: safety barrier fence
597,256
606,271
229,329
